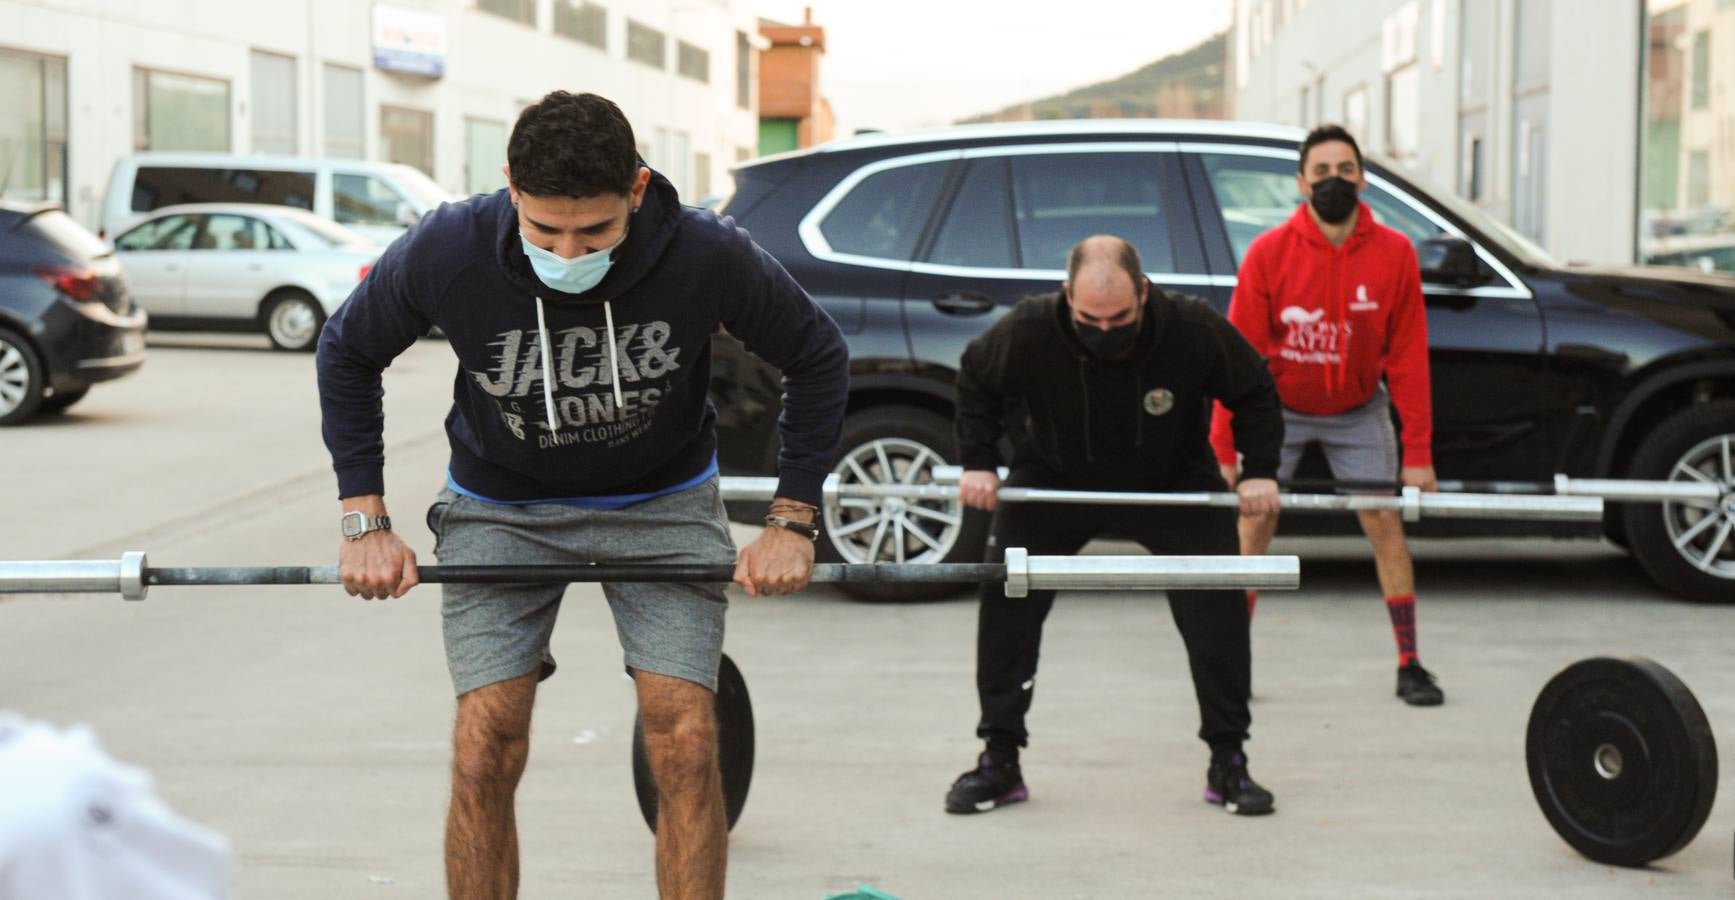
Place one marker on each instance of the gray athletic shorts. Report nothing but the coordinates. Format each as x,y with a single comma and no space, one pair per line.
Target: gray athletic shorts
1359,444
496,632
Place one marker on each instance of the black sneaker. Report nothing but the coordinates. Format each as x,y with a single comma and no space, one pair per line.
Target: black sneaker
1417,688
993,783
1228,785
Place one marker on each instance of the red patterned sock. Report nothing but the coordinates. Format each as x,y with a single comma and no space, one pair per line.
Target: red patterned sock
1252,601
1403,613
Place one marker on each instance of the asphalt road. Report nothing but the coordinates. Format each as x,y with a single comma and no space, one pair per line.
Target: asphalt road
312,729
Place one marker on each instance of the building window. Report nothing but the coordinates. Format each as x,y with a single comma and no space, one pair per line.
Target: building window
345,115
484,156
1404,114
701,177
582,21
1470,185
523,11
33,127
407,136
1698,179
1702,70
778,135
179,112
743,71
274,114
693,62
647,45
1355,112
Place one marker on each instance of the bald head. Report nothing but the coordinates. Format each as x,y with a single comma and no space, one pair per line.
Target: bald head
1105,282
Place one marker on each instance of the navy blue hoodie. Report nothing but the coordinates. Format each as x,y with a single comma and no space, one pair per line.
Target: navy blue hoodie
680,275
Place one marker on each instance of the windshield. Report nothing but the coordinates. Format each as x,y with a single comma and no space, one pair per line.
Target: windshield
425,190
1526,250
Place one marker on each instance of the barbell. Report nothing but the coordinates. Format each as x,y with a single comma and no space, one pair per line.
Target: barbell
132,576
1413,504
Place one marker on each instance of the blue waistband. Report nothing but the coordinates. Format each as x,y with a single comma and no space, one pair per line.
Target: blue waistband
610,501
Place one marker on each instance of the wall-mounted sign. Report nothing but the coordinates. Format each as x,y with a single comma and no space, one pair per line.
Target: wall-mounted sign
409,40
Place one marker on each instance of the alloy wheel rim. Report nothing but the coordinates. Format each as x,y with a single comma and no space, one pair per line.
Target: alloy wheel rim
892,529
1703,531
14,378
292,323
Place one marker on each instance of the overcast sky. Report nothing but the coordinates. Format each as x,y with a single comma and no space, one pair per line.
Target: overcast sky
909,63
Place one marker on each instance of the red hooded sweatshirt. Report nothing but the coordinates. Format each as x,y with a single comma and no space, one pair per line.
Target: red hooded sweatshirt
1331,321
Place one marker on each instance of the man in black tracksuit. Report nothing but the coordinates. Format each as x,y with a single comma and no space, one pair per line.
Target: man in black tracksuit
1107,386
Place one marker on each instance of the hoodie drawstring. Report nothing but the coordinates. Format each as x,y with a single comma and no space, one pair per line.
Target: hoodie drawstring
613,360
544,340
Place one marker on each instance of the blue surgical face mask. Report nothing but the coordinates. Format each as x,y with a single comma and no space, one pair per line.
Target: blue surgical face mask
574,276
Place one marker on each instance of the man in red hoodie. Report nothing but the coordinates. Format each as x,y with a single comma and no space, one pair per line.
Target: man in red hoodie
1333,300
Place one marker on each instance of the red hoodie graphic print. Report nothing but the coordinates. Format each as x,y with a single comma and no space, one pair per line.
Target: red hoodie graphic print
1333,321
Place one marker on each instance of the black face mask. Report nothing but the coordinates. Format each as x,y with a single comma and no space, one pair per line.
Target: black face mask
1111,345
1334,199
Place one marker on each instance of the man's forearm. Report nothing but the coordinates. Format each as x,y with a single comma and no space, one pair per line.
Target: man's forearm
372,504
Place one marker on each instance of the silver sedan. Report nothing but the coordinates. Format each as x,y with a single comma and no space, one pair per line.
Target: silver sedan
275,269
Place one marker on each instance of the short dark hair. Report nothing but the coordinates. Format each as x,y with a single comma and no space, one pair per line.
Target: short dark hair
572,145
1325,134
1126,256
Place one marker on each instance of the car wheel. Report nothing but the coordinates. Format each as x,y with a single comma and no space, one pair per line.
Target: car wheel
21,379
62,400
898,445
1689,547
293,320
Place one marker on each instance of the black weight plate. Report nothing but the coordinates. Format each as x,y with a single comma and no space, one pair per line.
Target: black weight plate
734,712
1621,759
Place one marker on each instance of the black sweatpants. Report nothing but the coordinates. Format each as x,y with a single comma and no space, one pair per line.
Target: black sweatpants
1213,624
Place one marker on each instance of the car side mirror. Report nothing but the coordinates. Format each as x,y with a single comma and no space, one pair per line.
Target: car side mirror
407,215
1451,261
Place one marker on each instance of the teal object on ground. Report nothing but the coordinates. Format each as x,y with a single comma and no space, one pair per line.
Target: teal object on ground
862,892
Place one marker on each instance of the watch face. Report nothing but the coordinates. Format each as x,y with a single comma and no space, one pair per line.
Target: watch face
352,524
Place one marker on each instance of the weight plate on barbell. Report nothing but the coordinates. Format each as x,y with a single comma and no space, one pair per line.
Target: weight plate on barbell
1622,759
734,711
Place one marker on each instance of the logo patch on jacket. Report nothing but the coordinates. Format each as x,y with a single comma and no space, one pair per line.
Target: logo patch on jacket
1159,401
1362,303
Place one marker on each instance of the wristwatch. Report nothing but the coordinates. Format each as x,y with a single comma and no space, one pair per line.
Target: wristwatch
356,523
807,530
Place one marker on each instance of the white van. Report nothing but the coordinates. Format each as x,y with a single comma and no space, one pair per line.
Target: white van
377,200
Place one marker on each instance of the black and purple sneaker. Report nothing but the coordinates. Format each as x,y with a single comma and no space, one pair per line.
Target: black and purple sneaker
1228,785
992,784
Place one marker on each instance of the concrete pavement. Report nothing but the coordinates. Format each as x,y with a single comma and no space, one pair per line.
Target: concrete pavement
312,729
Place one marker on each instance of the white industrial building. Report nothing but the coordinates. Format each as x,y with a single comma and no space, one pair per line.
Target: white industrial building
432,83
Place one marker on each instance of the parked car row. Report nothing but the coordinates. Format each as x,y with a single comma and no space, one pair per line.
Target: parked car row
916,243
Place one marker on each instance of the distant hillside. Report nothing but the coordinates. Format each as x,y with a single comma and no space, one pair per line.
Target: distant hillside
1187,85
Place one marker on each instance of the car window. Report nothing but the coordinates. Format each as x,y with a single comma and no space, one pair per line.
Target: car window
1258,193
883,215
1060,199
364,200
166,233
59,229
977,230
155,187
228,232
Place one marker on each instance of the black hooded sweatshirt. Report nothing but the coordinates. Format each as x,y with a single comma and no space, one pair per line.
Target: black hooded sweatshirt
680,274
1141,424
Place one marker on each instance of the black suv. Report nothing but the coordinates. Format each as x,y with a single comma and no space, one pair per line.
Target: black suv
915,243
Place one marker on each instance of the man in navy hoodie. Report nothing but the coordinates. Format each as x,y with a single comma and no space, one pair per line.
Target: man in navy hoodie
580,301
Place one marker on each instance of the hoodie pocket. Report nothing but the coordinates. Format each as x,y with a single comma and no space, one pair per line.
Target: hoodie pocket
439,513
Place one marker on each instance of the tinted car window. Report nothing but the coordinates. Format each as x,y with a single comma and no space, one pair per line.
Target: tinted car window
1258,193
224,232
166,233
155,187
73,239
977,230
1061,199
364,200
883,215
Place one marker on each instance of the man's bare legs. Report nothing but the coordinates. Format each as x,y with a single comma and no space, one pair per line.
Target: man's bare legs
692,828
1385,530
490,746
